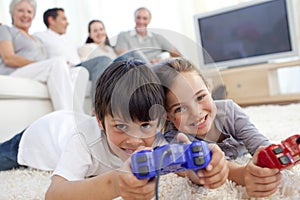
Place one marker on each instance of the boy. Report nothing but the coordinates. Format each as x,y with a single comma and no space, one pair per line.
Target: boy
129,118
92,154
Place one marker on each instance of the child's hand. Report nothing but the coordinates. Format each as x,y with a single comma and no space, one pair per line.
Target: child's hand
131,187
216,172
260,182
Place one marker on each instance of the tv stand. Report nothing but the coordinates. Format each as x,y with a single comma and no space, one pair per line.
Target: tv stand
257,84
283,60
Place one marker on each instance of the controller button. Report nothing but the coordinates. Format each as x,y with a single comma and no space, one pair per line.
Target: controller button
278,150
156,147
199,160
143,170
196,149
284,160
141,159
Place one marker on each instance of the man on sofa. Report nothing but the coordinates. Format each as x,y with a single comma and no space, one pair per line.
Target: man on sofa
154,46
57,44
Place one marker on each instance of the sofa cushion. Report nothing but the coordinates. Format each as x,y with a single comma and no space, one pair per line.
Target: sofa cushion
22,101
15,87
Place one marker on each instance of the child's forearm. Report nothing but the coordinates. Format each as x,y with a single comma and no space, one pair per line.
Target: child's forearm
236,173
99,187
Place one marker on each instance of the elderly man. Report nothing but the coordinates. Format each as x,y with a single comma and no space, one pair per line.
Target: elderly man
154,46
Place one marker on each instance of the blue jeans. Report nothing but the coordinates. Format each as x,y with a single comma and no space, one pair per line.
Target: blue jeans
96,67
9,153
134,54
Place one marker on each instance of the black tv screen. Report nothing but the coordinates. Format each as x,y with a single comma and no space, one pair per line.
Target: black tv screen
260,31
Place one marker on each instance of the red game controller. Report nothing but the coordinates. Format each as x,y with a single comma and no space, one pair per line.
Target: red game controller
281,156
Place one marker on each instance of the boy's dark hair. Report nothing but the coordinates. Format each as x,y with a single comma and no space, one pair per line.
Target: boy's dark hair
129,90
52,12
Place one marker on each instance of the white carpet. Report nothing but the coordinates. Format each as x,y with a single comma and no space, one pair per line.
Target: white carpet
276,122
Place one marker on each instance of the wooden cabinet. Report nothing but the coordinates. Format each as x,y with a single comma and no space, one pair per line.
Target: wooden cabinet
257,84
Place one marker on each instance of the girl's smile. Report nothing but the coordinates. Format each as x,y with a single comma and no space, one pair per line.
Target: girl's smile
190,105
200,123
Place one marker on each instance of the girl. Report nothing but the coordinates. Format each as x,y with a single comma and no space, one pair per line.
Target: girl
191,109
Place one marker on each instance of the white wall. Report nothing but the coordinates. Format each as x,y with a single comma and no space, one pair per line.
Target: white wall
116,14
173,17
289,78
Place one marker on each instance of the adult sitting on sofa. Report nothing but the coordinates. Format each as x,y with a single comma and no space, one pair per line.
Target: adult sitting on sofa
97,42
154,47
57,44
23,55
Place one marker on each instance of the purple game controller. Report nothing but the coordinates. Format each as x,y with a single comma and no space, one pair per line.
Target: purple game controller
170,158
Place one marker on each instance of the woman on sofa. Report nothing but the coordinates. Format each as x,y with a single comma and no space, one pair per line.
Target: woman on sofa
97,43
23,55
96,53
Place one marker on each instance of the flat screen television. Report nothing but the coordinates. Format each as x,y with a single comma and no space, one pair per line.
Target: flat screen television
249,33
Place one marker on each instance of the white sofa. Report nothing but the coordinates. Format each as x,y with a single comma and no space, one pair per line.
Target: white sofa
21,102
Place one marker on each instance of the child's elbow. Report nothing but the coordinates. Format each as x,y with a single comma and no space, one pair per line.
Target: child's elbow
48,195
51,194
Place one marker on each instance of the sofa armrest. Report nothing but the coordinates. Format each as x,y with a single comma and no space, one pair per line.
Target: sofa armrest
15,88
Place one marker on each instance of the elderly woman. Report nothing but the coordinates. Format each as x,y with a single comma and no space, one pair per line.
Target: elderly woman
23,55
